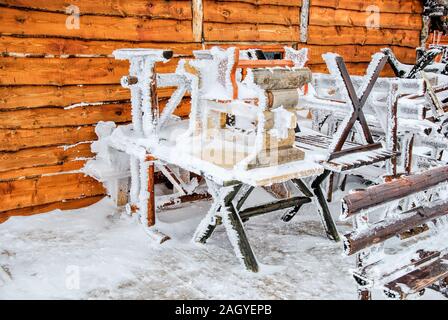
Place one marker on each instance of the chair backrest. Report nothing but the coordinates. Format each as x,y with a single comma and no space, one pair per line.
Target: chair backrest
325,85
222,71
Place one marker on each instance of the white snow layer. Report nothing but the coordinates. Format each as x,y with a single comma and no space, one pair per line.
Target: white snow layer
90,253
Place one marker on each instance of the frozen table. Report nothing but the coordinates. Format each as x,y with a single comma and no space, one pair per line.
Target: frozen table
229,187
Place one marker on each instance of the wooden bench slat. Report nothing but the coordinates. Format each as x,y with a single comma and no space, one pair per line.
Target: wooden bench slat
365,158
383,194
380,232
322,142
418,279
319,140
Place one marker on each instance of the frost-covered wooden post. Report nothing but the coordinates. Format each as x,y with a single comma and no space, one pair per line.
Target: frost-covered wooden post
392,127
198,17
151,203
304,20
142,82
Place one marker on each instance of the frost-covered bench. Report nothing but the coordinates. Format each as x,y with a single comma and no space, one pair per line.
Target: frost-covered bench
400,233
348,102
408,116
421,107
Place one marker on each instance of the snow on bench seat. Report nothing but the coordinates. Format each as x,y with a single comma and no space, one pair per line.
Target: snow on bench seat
319,142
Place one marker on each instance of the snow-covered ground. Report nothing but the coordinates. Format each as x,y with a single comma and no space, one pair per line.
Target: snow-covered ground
91,253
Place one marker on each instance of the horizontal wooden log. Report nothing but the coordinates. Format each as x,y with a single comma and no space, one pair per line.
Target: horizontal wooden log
38,23
62,47
43,156
58,117
24,97
281,78
273,206
403,6
320,16
384,230
180,10
249,32
47,189
17,139
61,205
244,45
362,36
239,12
289,3
14,140
353,68
351,53
382,194
358,53
70,166
73,71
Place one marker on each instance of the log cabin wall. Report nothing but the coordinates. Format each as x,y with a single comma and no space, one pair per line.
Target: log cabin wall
57,81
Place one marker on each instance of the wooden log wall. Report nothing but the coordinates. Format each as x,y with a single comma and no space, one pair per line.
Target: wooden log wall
57,81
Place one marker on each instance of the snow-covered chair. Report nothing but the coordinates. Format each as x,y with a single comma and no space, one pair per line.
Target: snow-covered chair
246,107
399,236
